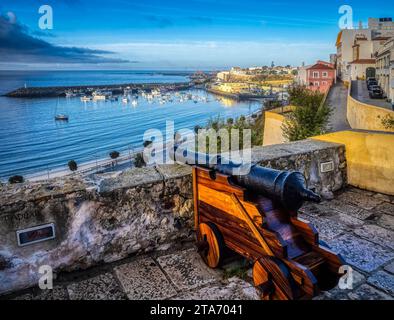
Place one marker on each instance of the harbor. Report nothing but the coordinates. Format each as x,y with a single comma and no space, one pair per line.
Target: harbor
88,90
34,143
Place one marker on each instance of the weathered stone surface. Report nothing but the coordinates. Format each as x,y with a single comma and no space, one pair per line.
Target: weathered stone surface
377,235
101,287
384,197
327,228
235,289
142,279
390,267
347,220
324,210
58,293
367,292
131,178
187,270
386,221
362,254
383,280
174,171
40,191
386,207
349,209
334,294
359,199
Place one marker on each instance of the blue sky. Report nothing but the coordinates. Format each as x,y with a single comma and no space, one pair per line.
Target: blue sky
174,34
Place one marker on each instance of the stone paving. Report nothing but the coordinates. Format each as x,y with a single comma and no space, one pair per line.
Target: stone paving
357,224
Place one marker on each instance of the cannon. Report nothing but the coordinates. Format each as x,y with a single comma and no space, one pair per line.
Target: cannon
255,216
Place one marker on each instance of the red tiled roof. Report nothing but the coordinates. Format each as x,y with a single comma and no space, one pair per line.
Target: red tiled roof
320,66
363,61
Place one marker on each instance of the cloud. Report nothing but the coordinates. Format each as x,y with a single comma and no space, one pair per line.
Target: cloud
18,44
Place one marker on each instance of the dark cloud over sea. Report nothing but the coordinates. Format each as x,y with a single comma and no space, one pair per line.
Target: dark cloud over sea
18,44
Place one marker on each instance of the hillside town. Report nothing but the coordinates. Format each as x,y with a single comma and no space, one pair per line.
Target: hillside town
365,52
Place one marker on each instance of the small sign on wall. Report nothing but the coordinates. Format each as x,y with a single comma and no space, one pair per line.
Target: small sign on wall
36,234
327,166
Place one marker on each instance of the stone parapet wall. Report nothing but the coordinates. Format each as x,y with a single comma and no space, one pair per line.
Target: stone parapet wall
364,116
104,218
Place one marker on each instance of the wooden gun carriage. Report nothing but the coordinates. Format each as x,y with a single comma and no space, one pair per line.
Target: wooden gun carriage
289,261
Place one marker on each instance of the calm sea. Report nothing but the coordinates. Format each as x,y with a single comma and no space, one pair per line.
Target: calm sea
32,141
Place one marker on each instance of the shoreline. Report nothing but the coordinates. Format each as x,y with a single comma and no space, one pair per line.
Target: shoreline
240,97
101,165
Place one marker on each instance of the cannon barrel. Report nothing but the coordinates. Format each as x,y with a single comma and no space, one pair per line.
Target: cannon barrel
287,187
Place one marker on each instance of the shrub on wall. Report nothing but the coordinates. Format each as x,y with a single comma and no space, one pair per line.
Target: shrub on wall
16,179
388,121
255,123
72,165
139,161
310,116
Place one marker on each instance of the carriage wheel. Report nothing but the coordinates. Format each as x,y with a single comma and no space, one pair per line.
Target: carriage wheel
273,279
210,244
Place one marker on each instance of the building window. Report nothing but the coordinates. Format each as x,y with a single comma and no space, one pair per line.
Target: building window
315,74
317,84
325,74
324,83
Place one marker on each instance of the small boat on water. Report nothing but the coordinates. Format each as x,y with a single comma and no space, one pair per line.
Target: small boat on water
70,94
86,98
61,117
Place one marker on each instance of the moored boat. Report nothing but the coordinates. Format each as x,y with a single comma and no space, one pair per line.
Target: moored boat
61,117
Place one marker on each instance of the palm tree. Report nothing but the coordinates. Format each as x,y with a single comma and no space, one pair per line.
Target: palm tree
16,179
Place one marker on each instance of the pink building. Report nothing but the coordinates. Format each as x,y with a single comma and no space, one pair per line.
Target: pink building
320,76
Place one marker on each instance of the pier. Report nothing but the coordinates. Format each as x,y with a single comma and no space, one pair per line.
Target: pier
42,92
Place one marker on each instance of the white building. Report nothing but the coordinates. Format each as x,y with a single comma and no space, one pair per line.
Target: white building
385,68
356,48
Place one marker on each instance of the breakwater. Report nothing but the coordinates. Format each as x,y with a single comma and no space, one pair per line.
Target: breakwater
60,91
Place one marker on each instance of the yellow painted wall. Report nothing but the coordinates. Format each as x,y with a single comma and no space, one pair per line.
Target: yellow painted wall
370,158
366,117
272,128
